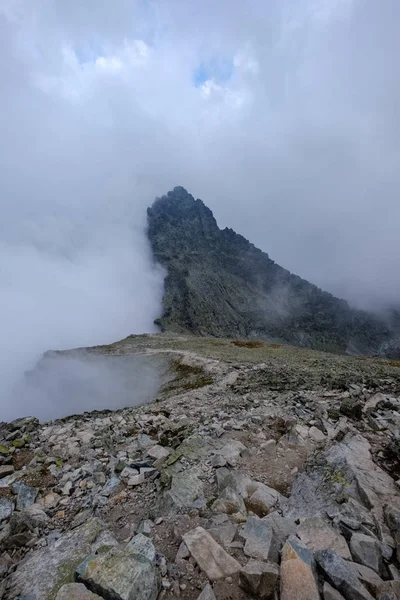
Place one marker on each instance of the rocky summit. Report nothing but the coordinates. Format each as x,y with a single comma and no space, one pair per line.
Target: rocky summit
259,471
219,284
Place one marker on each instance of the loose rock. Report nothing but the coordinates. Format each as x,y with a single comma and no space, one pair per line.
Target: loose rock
367,551
260,541
259,578
207,593
298,576
121,574
318,535
340,574
209,555
76,591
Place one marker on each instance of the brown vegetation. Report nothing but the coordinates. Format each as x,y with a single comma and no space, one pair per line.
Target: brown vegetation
248,343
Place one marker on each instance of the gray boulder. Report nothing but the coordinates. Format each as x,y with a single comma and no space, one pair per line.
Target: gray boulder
330,593
339,573
298,573
46,570
121,573
76,591
259,539
259,578
367,551
185,489
209,555
318,535
207,593
26,495
6,509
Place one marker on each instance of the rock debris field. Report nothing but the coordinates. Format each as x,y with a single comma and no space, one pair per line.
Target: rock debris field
259,471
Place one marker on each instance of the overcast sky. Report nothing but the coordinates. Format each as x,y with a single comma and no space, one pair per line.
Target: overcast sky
282,115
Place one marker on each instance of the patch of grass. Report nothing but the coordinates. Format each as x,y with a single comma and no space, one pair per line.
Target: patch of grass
185,370
335,476
18,443
187,377
248,343
199,383
394,363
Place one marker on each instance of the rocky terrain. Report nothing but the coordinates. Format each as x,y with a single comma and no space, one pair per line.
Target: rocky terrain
219,284
259,471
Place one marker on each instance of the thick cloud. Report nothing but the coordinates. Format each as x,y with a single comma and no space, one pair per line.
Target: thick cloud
282,116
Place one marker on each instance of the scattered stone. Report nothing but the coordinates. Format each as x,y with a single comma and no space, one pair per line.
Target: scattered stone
185,489
99,478
30,519
316,434
223,534
209,555
367,551
218,461
231,452
298,578
26,496
207,593
48,568
128,472
368,578
98,459
263,500
182,554
145,527
236,481
159,452
111,486
5,563
6,470
141,545
51,500
390,591
75,591
318,535
260,541
282,527
229,502
269,448
330,593
121,574
340,574
351,407
136,480
67,489
148,471
259,578
392,516
373,402
6,509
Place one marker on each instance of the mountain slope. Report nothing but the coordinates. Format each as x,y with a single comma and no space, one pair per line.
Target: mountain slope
220,284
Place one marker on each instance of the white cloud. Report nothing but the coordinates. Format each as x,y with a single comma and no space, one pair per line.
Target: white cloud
246,61
298,150
109,63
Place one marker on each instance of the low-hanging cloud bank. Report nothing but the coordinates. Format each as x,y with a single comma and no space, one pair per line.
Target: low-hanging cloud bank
281,116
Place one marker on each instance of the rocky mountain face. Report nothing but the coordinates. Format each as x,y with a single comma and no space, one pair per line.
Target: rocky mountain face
219,284
233,485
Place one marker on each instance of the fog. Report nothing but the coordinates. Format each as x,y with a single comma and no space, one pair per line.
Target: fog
282,116
63,385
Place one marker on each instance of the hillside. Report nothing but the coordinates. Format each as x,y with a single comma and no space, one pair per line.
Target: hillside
260,471
219,284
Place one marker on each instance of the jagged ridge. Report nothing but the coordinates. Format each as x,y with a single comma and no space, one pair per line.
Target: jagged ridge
220,284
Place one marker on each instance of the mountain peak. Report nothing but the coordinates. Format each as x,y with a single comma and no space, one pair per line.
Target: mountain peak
219,284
